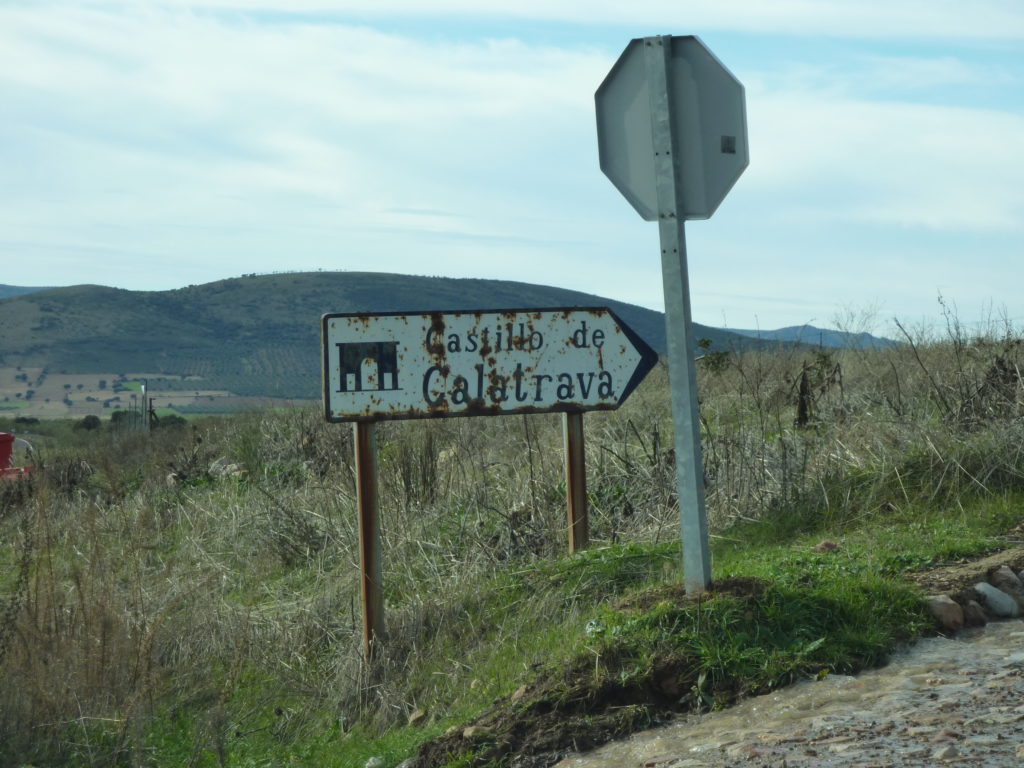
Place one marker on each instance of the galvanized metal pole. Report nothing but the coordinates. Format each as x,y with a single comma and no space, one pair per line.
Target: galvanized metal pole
365,435
678,325
575,481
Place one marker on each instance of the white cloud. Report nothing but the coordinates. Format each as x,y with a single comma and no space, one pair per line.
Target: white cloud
885,74
180,107
884,77
980,19
915,165
204,145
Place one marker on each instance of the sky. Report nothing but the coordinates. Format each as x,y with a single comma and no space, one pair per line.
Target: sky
153,144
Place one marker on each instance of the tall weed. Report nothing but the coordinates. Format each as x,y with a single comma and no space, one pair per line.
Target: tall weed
151,597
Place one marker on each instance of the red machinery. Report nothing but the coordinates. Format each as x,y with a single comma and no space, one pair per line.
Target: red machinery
6,451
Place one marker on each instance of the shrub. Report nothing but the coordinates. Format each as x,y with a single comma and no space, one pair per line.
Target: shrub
89,422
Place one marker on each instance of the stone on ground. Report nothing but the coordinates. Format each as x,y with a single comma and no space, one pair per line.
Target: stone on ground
946,611
996,601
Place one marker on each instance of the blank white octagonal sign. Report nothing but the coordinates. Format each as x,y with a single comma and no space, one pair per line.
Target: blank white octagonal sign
708,117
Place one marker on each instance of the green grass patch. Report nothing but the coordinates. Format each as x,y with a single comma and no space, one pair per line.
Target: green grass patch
777,614
918,538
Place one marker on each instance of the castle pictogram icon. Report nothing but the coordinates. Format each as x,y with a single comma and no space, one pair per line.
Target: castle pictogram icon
357,376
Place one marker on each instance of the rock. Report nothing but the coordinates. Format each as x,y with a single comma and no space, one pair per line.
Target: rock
1005,579
407,763
417,717
375,762
474,732
657,762
996,601
946,611
593,628
947,752
222,467
974,614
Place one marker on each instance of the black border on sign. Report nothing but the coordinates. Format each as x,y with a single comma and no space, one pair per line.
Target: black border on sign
648,359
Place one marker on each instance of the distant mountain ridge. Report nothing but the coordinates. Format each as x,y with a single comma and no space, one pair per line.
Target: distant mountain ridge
824,337
7,291
256,334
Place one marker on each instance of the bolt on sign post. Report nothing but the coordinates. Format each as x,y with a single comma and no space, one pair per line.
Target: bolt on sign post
672,137
474,363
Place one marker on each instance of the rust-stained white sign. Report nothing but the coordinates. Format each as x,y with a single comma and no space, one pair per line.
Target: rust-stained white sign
478,363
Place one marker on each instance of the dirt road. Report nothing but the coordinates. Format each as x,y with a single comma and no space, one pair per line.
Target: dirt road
945,701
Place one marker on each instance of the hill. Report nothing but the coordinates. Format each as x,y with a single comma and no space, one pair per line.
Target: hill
253,335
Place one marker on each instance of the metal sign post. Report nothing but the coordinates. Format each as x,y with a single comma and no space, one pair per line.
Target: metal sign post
671,124
474,363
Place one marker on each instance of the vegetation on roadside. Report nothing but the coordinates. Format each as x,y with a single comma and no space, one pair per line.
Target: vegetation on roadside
157,609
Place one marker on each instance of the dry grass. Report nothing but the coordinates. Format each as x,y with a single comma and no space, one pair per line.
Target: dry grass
126,602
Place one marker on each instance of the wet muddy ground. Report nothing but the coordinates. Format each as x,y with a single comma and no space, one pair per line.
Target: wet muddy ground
945,701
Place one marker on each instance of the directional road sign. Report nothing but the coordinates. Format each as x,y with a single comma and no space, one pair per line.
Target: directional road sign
708,114
478,363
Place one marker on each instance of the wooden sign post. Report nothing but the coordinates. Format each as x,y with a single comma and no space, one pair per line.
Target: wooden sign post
370,581
575,482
